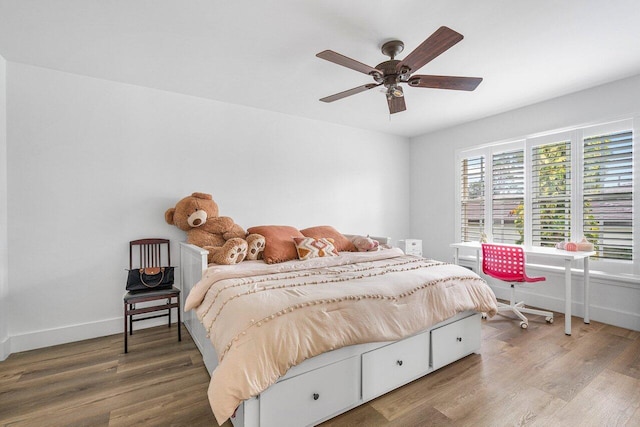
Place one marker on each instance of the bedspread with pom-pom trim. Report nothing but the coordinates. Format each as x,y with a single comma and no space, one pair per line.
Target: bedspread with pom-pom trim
263,319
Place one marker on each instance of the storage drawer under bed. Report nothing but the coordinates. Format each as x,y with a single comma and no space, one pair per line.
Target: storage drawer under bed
393,365
311,396
455,340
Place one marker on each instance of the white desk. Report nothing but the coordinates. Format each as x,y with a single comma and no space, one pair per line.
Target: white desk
568,257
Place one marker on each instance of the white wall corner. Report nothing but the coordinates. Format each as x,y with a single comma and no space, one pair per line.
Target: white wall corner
5,348
4,262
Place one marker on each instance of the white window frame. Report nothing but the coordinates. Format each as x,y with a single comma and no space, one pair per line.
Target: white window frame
458,212
608,128
531,143
576,136
503,148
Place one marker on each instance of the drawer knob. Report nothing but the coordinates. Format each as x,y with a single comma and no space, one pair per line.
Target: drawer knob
459,339
316,396
399,362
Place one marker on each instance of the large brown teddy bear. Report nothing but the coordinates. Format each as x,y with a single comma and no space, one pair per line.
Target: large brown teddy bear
225,240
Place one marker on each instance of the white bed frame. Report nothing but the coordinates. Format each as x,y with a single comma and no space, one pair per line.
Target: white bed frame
332,383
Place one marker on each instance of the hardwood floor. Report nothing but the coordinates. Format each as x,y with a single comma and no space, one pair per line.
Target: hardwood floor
93,383
533,377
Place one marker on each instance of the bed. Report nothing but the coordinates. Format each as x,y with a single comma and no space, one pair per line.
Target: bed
299,342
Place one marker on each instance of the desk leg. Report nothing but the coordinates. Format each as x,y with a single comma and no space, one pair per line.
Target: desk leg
586,290
567,297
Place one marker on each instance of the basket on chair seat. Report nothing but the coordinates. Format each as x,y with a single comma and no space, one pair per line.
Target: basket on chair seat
507,263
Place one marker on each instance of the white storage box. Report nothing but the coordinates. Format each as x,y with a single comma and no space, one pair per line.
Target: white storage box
411,246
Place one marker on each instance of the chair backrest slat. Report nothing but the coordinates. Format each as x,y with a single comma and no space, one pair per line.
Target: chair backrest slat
150,253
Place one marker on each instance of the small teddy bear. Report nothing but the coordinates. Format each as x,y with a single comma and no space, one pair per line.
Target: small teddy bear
225,240
365,244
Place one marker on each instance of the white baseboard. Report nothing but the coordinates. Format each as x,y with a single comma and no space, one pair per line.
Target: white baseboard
63,335
597,313
67,334
609,296
5,346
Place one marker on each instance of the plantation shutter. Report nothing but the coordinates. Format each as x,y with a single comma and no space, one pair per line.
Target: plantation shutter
608,194
508,197
551,193
472,175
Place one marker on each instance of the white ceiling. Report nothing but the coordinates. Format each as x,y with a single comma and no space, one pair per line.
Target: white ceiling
262,53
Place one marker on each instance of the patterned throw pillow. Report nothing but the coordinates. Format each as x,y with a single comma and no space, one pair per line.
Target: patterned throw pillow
308,247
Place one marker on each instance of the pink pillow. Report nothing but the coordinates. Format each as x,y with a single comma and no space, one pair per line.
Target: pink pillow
279,245
341,243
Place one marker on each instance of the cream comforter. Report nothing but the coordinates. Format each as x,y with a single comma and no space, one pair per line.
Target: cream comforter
263,319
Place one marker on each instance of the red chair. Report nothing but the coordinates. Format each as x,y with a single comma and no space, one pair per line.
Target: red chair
507,263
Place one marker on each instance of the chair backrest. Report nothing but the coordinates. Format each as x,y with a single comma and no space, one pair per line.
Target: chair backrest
504,262
149,253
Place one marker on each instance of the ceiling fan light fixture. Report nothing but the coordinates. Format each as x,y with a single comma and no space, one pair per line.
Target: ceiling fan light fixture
395,91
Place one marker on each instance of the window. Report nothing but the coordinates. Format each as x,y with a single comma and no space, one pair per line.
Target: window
607,194
551,193
553,188
508,197
472,198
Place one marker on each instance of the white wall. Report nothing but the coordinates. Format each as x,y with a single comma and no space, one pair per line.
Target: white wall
433,190
93,164
4,284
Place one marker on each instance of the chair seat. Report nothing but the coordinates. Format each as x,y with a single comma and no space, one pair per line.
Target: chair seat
136,296
524,279
533,279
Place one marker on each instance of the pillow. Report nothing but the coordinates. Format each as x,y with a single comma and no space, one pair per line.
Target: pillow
340,242
308,247
279,245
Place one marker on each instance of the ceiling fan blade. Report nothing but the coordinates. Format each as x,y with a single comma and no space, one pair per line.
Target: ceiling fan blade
396,104
438,42
339,59
445,82
349,92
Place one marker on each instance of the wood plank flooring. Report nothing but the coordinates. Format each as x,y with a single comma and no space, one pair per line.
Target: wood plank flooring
533,377
93,383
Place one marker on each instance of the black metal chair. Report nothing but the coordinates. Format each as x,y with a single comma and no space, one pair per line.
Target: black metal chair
149,253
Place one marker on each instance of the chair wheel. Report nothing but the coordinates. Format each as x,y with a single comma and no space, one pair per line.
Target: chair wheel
524,325
484,315
549,319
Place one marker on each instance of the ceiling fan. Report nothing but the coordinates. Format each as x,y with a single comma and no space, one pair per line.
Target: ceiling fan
392,73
